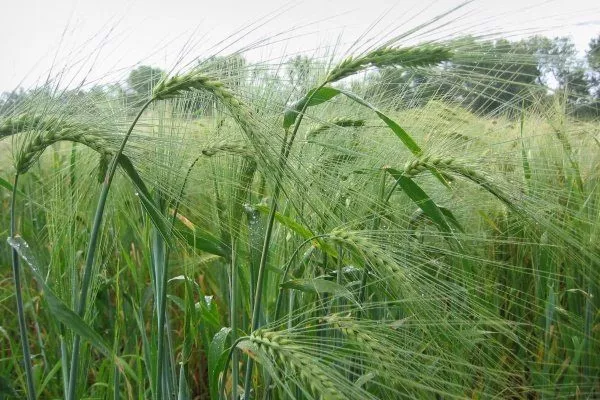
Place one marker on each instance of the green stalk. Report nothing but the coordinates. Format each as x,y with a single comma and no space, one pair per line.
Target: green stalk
233,319
19,297
286,271
383,199
159,263
116,373
261,274
279,299
226,366
87,274
285,151
64,362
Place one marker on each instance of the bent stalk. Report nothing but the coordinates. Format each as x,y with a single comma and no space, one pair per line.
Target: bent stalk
19,297
87,274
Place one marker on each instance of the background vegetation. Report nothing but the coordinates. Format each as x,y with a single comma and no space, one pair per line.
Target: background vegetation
404,222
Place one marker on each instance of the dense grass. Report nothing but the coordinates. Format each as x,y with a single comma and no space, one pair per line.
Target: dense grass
316,240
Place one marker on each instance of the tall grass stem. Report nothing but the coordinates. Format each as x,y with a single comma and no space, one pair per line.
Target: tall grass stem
19,296
94,235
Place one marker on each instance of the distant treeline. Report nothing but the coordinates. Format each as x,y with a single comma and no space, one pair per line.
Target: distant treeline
490,77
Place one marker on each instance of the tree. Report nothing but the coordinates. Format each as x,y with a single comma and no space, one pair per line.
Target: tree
141,81
561,68
593,59
496,76
10,100
486,76
231,70
298,70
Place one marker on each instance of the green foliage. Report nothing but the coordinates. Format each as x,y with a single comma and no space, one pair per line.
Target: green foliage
407,232
298,71
593,59
141,81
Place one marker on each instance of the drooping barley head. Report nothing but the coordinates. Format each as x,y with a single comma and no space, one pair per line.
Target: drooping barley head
407,57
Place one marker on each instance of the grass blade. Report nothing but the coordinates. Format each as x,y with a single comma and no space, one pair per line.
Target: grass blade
57,308
312,98
318,286
421,199
217,357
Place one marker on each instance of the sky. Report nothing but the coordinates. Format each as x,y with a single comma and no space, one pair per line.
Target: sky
103,39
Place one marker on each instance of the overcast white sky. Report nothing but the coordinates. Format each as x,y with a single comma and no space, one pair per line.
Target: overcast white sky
113,35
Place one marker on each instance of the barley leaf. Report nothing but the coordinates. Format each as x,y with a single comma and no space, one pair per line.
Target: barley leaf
326,93
5,184
318,286
184,389
421,199
451,218
58,309
288,222
526,166
296,227
157,218
202,240
217,357
397,129
313,97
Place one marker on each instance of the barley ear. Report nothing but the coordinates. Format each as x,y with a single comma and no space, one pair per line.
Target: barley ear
342,122
406,57
63,132
177,85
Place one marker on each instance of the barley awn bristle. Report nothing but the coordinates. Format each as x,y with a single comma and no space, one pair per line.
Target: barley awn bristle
281,348
408,57
341,122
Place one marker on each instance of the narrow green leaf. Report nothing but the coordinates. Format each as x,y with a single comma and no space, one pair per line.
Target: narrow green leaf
201,240
318,286
5,184
58,309
217,356
526,166
184,390
209,312
288,222
313,97
8,186
147,352
451,218
397,129
326,93
296,227
158,219
421,199
49,377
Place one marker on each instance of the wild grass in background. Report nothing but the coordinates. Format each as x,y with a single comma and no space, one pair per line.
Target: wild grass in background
406,221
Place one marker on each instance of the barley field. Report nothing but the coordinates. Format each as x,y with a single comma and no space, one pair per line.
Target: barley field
411,220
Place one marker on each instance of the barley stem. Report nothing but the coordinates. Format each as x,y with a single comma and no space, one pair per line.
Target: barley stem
286,270
285,151
87,274
19,297
233,318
